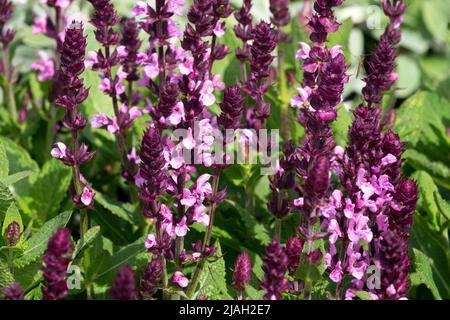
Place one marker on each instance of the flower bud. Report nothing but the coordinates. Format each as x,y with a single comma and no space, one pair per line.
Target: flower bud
12,234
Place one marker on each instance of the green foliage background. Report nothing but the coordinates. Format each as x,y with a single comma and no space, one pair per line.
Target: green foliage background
34,187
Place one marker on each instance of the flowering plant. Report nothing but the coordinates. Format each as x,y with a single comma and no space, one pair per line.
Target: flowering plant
207,149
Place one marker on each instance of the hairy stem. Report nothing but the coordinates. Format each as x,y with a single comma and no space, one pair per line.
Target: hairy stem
9,88
284,122
201,264
78,190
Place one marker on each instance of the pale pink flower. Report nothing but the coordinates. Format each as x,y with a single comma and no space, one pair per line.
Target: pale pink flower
140,8
113,127
39,25
181,229
122,52
99,120
207,96
63,4
335,231
92,58
151,68
138,180
173,29
358,229
87,196
133,156
219,29
299,202
177,114
105,85
200,215
303,53
180,279
176,7
150,242
393,76
300,99
45,65
60,151
335,51
388,159
337,273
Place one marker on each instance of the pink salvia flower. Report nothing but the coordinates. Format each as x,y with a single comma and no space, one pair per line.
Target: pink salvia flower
180,279
45,65
87,196
60,151
39,25
303,53
176,7
219,29
150,242
99,120
140,9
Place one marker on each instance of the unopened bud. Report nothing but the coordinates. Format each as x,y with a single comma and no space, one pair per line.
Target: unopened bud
12,233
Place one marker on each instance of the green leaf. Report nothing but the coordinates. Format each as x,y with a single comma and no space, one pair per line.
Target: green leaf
437,169
97,101
424,273
308,272
12,215
125,256
125,211
56,177
19,160
37,243
213,280
100,252
419,119
435,18
435,70
408,76
258,230
16,177
442,205
363,295
4,164
426,201
341,125
34,294
435,247
253,293
89,238
342,36
6,198
6,278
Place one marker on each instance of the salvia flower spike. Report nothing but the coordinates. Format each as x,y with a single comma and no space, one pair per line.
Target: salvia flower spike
124,285
56,261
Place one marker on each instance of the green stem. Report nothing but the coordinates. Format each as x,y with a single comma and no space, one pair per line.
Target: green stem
278,224
162,259
201,264
11,260
84,216
308,284
11,100
284,122
120,134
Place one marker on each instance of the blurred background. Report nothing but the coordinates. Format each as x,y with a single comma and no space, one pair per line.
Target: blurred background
418,108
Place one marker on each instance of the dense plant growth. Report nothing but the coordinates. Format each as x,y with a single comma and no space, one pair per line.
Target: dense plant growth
220,149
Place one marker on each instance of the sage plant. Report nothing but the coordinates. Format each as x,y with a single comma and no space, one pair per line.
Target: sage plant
56,261
321,91
71,93
105,19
